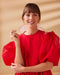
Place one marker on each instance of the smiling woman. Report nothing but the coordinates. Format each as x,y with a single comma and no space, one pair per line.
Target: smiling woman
31,15
33,53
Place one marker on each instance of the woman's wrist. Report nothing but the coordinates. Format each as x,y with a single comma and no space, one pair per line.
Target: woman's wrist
17,42
27,69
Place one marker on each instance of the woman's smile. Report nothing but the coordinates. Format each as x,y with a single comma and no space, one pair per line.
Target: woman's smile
30,22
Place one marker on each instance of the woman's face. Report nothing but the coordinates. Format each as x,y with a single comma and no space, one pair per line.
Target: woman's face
31,19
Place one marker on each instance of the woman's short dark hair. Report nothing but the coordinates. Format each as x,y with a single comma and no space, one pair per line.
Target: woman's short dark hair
31,7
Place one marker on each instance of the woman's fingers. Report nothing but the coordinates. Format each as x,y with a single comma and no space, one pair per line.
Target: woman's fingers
13,35
17,68
12,32
14,67
13,64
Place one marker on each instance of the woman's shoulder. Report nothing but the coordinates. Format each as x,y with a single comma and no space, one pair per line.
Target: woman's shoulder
52,35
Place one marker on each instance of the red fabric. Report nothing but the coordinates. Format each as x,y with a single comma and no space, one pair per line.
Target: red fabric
59,49
36,49
8,53
50,49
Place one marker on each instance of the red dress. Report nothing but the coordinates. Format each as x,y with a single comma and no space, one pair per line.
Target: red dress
36,49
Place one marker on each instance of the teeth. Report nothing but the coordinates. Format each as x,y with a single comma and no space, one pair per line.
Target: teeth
31,22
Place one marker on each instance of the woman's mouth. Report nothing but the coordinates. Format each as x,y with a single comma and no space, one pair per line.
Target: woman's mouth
31,22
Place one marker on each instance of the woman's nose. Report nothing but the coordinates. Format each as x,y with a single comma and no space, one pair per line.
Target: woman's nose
31,17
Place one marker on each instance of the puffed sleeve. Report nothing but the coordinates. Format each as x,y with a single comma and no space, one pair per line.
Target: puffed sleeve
50,49
59,49
8,53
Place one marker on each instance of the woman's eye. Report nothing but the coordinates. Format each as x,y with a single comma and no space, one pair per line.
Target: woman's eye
35,14
27,15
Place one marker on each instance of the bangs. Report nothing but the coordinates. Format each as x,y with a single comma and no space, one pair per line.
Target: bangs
30,10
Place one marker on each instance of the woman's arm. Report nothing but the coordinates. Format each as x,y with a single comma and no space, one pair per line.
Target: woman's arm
37,68
18,54
40,67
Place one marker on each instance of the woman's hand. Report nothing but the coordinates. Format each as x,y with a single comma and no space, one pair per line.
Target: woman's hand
17,68
14,36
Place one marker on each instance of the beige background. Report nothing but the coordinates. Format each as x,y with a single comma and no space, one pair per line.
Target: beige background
10,18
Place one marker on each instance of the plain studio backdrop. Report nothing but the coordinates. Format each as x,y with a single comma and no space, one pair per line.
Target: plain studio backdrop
10,18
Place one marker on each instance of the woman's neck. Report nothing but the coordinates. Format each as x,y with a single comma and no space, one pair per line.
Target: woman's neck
30,31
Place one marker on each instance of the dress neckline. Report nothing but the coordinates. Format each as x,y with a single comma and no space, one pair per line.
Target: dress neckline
31,34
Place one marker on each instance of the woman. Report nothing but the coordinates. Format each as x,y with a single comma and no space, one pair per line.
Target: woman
34,52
